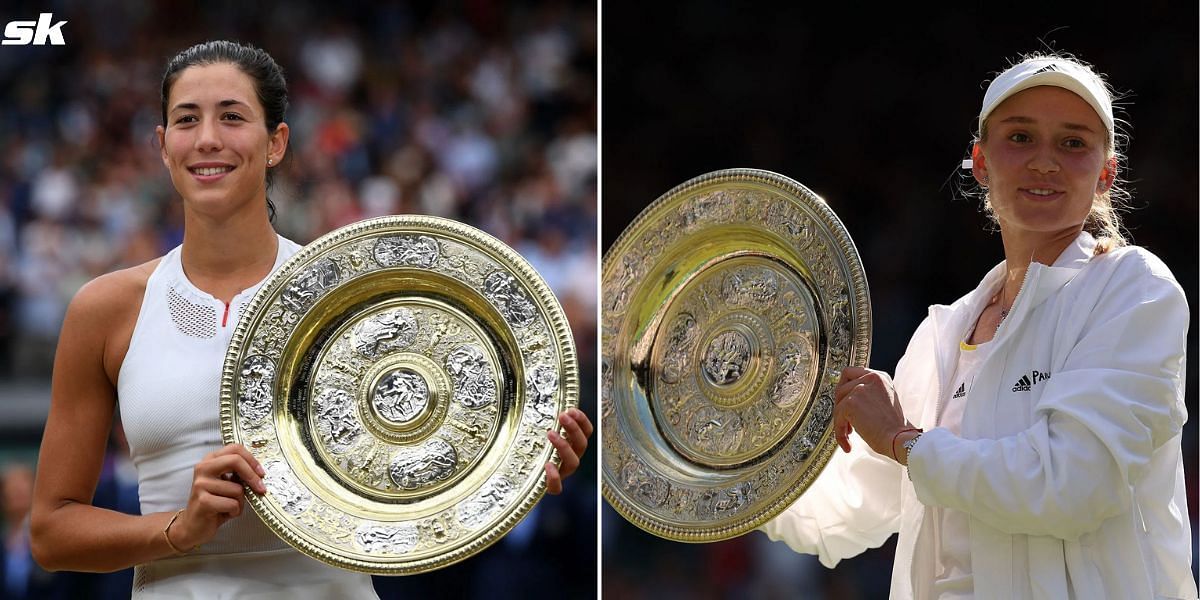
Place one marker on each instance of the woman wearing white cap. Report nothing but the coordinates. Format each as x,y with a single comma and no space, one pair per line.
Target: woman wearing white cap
1029,446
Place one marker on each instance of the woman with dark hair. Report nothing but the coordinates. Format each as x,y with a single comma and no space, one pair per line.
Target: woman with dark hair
153,337
1029,446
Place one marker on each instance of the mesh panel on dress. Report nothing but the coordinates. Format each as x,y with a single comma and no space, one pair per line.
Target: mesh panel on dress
195,320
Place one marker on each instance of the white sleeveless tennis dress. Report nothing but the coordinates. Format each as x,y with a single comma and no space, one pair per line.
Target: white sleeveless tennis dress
168,390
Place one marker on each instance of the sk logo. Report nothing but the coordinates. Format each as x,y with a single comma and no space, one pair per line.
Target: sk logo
24,33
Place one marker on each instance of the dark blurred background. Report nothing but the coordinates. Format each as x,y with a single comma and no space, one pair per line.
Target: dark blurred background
873,107
478,110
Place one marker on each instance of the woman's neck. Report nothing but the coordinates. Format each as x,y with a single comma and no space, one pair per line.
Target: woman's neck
1023,248
225,256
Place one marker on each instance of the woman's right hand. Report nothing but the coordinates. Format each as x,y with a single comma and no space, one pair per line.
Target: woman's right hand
217,495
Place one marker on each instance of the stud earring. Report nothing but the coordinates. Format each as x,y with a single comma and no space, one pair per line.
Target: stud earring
270,161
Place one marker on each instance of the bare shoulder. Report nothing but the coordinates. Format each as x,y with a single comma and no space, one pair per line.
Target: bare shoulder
102,316
114,294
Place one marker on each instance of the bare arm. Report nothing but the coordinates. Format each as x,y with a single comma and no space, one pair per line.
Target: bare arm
67,531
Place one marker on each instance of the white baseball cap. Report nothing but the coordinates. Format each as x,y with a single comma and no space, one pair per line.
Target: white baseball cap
1054,71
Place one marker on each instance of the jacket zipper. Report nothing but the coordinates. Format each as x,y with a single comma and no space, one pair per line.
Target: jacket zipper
997,338
225,318
1011,311
942,374
937,357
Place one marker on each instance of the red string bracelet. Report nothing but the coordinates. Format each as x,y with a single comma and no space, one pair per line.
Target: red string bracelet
894,437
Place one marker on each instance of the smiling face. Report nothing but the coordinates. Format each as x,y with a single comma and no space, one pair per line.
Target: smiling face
215,142
1044,157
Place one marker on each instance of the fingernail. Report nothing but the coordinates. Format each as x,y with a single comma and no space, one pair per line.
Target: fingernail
261,472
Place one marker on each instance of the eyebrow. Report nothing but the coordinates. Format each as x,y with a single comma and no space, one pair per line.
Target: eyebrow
194,106
1029,121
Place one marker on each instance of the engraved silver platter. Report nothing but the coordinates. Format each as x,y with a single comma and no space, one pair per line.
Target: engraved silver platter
396,379
730,306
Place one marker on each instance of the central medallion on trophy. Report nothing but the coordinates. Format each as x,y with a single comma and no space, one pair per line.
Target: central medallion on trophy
401,397
727,357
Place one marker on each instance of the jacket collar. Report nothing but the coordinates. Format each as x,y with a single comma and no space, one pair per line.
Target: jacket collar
1050,279
1046,279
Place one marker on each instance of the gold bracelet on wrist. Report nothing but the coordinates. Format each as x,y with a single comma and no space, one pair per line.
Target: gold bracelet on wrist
167,536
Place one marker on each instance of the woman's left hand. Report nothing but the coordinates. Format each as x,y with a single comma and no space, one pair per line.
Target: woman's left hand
865,401
570,449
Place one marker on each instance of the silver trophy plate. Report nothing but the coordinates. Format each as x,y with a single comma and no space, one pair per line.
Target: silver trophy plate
730,307
396,378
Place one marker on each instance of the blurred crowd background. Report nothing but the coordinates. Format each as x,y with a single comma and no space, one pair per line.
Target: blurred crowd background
873,107
478,110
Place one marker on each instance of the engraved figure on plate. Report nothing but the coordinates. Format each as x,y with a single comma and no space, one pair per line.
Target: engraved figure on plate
292,498
680,340
639,481
401,396
503,291
750,286
413,468
256,379
795,362
681,502
383,539
701,209
493,495
542,381
472,376
337,424
419,251
726,358
716,502
823,409
384,332
310,285
630,272
716,431
839,343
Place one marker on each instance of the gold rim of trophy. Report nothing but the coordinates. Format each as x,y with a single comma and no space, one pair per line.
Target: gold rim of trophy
396,378
730,306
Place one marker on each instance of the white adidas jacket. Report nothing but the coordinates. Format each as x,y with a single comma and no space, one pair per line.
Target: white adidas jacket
1069,464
